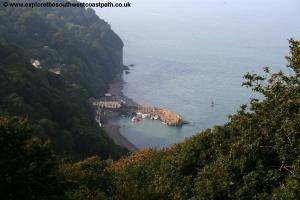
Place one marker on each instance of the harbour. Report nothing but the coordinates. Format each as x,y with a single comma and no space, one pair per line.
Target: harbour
110,106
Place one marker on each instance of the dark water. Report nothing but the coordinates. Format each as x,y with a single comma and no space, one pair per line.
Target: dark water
190,53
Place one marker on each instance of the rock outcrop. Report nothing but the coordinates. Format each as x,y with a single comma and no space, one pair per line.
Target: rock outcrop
169,117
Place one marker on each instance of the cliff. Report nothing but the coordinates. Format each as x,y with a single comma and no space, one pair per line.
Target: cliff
74,40
53,60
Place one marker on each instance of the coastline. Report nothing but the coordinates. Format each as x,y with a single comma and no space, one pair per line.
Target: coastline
110,127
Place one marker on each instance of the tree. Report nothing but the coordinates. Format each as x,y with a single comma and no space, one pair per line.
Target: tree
88,179
27,164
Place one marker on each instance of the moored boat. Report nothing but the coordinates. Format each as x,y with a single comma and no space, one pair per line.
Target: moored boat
135,119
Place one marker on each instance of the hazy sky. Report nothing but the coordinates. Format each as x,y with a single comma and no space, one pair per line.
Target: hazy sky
225,22
209,8
211,15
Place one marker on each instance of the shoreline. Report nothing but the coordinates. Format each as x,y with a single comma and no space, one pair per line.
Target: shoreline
111,128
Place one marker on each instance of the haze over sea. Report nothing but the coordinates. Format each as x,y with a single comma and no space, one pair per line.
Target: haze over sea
190,53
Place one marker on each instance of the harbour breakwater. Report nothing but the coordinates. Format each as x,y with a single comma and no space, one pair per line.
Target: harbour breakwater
166,116
117,106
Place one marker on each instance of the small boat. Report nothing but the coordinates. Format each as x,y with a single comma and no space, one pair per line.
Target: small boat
135,119
154,117
145,116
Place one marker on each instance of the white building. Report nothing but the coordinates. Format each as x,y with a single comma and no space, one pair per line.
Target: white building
108,104
36,63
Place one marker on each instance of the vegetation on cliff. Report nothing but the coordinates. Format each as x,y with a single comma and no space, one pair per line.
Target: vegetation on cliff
76,40
254,156
87,52
59,111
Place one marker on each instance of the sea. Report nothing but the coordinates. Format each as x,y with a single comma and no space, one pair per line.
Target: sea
188,54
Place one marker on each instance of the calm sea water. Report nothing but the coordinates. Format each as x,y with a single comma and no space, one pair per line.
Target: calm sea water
190,53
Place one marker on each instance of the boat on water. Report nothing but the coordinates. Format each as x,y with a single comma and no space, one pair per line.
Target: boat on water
145,116
135,119
154,117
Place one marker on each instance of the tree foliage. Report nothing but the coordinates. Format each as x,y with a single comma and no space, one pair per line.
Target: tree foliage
88,53
75,39
28,165
58,110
